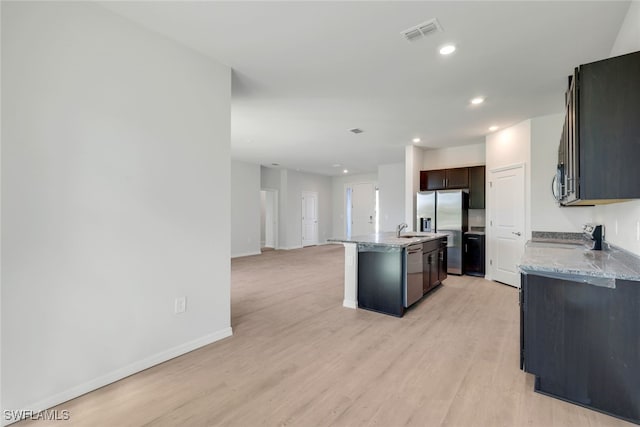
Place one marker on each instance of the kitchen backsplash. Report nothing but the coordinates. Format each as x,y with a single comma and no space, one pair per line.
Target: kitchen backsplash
554,235
476,218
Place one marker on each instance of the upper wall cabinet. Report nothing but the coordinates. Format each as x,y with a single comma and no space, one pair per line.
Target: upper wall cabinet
444,179
599,153
472,178
476,187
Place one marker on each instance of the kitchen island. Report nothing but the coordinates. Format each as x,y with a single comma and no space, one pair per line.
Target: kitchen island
580,325
387,273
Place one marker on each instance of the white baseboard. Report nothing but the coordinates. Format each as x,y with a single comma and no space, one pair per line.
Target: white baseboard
289,248
350,304
124,372
245,254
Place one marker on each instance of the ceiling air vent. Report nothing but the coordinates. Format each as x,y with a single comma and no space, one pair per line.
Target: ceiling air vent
421,30
356,130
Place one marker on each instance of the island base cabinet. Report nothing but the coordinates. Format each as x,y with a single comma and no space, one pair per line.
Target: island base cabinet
582,342
431,260
381,272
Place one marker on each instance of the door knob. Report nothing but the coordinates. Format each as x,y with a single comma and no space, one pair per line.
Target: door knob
517,233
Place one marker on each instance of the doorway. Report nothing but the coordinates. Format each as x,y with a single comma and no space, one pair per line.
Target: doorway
361,211
507,223
309,218
269,219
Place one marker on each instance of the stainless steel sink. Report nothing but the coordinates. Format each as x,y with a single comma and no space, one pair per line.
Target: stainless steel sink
418,234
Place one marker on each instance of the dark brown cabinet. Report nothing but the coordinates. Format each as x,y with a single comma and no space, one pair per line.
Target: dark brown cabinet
444,179
457,178
472,178
477,187
434,255
474,244
582,342
442,261
600,143
433,180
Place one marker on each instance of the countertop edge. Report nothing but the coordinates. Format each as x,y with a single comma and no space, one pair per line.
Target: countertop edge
621,256
369,240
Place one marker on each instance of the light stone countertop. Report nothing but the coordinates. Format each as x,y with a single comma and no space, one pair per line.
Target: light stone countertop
579,263
390,239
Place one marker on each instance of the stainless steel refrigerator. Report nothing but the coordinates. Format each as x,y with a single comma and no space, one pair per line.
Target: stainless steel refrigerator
445,211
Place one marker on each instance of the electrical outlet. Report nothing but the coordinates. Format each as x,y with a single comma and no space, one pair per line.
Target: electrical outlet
180,305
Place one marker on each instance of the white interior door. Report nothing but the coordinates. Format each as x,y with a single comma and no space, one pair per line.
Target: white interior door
363,209
263,219
507,223
309,218
269,218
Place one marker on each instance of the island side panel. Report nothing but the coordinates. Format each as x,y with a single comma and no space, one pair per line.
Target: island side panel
350,275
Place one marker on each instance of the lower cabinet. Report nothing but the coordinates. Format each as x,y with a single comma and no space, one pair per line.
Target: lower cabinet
442,260
474,245
582,342
383,275
434,255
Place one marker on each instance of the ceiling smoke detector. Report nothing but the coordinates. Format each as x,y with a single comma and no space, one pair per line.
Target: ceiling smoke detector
356,130
429,27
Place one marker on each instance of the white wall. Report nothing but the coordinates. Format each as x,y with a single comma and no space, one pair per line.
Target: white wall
546,215
338,183
621,220
290,185
454,157
246,208
628,39
115,200
458,157
413,158
391,196
508,147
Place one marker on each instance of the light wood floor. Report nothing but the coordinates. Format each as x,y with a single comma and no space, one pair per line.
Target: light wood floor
298,358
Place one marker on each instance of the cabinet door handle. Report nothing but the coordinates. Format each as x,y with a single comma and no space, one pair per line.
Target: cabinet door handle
443,183
465,248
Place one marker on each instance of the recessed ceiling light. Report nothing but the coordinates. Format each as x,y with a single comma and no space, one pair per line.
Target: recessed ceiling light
416,140
447,49
478,100
345,171
493,128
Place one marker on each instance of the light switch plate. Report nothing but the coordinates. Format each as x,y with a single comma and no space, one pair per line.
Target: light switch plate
180,305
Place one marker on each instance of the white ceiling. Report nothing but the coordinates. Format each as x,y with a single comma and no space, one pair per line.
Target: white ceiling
306,72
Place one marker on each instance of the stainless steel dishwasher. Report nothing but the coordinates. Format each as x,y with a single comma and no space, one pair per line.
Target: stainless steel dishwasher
413,284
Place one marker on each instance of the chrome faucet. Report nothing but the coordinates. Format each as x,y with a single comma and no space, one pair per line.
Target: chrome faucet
401,227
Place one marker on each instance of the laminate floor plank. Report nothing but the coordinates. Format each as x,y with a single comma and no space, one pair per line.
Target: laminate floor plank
298,358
